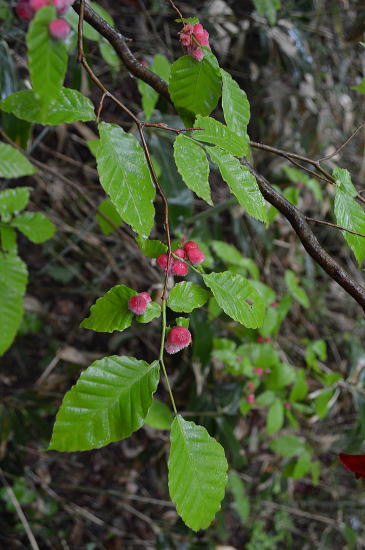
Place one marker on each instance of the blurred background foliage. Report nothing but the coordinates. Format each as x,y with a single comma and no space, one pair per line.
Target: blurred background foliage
283,400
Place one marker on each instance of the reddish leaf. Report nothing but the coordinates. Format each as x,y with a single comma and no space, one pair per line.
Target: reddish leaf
354,464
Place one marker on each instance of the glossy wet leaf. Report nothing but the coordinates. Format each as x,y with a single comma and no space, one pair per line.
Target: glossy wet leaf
108,403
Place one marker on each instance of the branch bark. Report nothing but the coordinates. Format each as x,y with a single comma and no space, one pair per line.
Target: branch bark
309,240
296,219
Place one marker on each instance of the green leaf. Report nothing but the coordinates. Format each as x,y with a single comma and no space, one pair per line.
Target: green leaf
349,214
281,375
236,108
287,445
195,86
182,322
295,290
107,208
152,312
13,280
302,466
237,297
187,296
110,312
300,389
151,248
193,166
197,473
34,225
275,417
159,416
241,501
125,177
13,164
8,239
241,183
322,403
108,403
218,134
267,8
343,181
68,106
14,200
47,56
162,67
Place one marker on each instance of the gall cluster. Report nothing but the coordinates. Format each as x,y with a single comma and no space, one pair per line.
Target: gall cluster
58,28
190,252
193,36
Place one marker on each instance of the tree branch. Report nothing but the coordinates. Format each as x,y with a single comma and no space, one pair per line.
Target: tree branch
309,240
118,41
296,219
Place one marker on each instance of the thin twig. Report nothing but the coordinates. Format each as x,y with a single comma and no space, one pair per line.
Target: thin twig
19,511
321,222
176,9
343,145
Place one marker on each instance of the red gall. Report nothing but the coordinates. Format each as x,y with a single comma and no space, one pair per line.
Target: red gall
259,371
196,256
180,253
146,296
38,4
250,398
180,269
137,304
193,36
177,339
162,262
190,245
262,340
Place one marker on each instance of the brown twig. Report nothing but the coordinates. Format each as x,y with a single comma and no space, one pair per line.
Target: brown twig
300,225
343,145
321,222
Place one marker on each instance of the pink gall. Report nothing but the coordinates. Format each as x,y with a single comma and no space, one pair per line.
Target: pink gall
62,5
180,269
250,398
59,29
179,337
163,261
137,304
190,245
38,4
146,296
196,256
180,253
259,371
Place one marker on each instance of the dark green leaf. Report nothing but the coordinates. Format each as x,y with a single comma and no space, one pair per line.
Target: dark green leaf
68,106
218,134
195,86
237,297
236,108
241,183
47,56
125,177
110,312
193,165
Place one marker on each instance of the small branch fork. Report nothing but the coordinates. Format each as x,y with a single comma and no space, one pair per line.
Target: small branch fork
297,220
